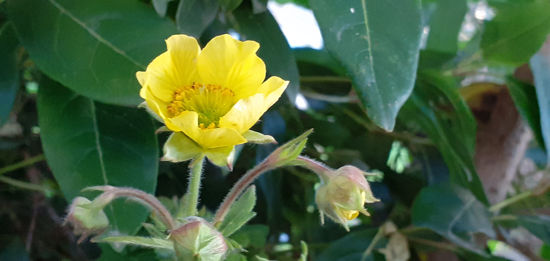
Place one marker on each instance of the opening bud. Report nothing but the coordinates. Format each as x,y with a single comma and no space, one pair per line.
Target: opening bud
344,195
198,240
86,218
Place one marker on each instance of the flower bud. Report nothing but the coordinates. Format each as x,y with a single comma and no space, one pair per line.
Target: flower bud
344,195
86,219
197,239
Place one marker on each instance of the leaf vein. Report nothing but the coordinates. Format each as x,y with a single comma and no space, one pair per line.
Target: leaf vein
94,34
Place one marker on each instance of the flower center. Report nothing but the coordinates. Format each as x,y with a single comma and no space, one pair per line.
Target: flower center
349,214
210,102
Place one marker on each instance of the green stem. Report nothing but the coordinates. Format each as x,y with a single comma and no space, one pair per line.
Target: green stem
324,79
193,189
503,218
405,137
24,185
379,235
440,245
22,164
500,205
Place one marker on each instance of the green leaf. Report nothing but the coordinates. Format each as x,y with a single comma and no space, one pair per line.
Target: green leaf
439,110
88,143
274,48
525,99
452,212
92,47
161,6
229,5
239,213
193,16
350,247
540,65
319,57
149,242
9,75
517,31
539,225
251,235
445,25
14,251
378,43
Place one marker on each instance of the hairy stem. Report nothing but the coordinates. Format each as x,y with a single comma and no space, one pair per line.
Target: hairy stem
238,188
321,170
193,189
148,200
318,168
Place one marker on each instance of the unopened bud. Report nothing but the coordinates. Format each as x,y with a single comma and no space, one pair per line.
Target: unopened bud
288,152
86,218
198,240
344,195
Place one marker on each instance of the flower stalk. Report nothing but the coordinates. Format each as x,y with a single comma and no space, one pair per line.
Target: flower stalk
286,155
110,193
238,189
193,188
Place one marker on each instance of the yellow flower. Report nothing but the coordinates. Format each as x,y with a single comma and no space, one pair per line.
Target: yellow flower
344,195
209,98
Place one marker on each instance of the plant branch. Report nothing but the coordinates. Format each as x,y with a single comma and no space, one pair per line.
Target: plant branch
24,185
406,137
336,79
22,164
238,188
500,205
318,168
110,193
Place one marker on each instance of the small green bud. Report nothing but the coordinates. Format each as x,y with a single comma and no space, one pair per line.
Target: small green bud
198,240
288,152
344,195
86,218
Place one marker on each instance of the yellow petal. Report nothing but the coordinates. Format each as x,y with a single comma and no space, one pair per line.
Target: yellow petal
172,69
179,148
155,105
232,64
258,138
184,51
219,137
159,77
246,112
188,123
221,156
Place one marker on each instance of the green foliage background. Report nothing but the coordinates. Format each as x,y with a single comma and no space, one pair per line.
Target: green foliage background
383,95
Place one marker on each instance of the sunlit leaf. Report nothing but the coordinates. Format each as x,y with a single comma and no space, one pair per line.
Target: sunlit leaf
382,62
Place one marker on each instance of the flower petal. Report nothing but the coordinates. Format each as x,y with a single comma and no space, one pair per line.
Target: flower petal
172,69
184,51
188,123
153,103
232,64
246,112
219,137
179,148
